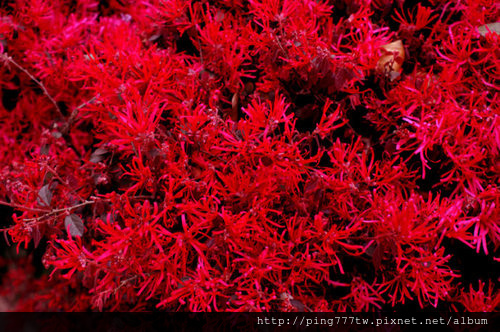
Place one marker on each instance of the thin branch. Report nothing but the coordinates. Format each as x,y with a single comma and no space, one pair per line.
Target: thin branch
53,171
21,207
75,113
9,59
58,211
213,156
32,221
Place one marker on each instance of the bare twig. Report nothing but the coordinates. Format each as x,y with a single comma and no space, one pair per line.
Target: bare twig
9,59
21,207
53,171
73,115
31,222
62,210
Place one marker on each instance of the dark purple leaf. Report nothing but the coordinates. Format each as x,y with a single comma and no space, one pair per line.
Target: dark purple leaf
298,305
342,77
378,255
98,155
37,236
56,134
44,196
74,225
45,149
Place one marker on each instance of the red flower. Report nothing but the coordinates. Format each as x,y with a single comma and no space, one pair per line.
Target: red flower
249,155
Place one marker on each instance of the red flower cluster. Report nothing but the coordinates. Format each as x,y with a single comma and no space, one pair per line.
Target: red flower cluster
260,155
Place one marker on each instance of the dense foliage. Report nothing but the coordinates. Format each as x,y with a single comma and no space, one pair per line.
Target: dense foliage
261,155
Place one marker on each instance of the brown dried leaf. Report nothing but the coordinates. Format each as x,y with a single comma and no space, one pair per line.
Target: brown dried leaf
493,27
391,61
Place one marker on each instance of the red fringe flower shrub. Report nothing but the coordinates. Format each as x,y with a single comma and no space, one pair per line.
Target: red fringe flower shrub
260,155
